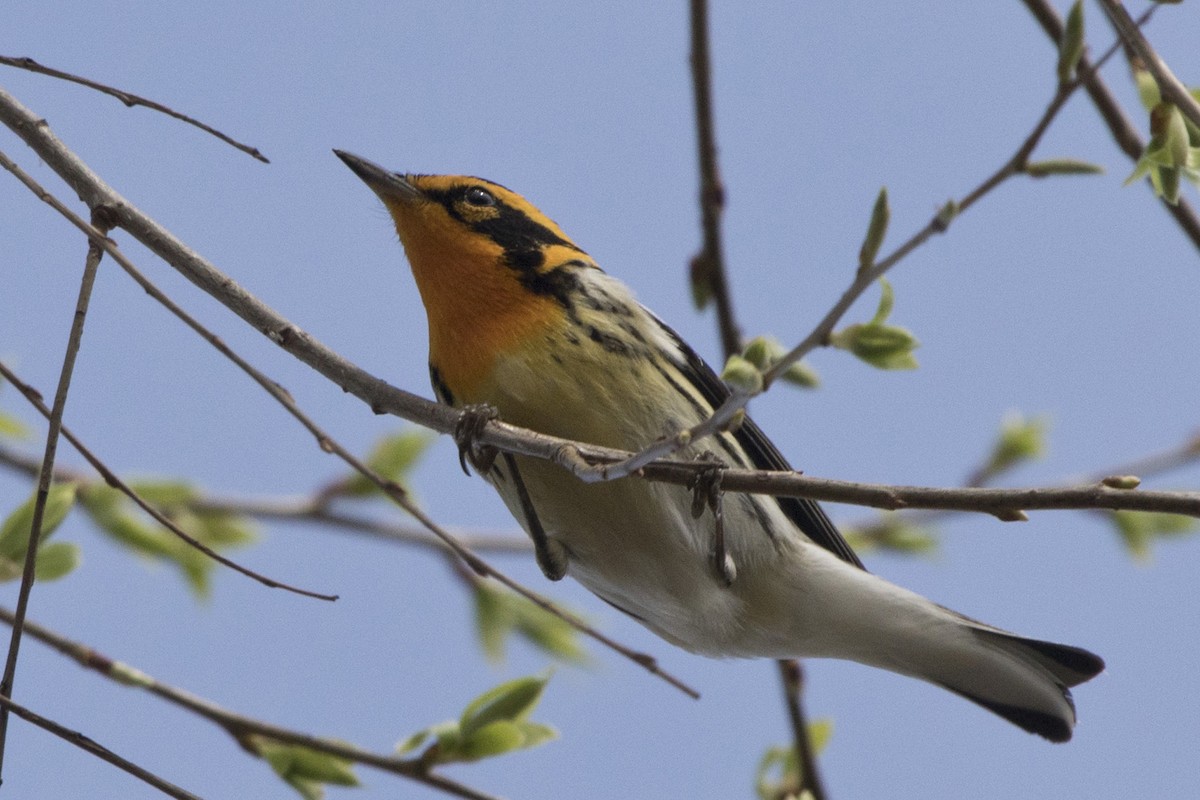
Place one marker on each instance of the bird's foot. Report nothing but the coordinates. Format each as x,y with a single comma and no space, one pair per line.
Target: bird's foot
466,436
706,493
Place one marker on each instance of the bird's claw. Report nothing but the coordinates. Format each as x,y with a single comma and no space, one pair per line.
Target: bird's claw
466,436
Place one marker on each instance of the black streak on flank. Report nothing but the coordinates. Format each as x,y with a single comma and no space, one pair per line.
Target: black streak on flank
439,386
612,344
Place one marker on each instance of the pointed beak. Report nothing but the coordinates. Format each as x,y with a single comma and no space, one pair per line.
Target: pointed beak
388,185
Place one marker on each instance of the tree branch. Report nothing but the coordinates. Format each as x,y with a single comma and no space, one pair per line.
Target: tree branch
1123,131
242,728
90,745
708,266
1170,87
129,99
46,471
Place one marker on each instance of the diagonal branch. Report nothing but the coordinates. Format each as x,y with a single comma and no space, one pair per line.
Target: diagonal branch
242,728
1170,87
34,397
90,745
129,99
46,471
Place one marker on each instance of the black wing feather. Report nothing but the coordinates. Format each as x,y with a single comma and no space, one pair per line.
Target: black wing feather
805,513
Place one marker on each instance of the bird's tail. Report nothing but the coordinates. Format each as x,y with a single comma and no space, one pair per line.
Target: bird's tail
1025,681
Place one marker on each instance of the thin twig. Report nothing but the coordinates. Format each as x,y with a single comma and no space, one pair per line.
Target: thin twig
1123,131
46,471
709,264
90,745
1168,85
112,479
791,675
242,728
131,100
1151,465
299,508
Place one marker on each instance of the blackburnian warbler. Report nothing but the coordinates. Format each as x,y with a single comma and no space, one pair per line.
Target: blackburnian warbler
522,319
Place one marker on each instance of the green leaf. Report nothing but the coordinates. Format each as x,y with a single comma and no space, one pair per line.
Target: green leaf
304,769
1020,439
741,374
165,494
894,533
492,623
492,724
801,374
1147,88
116,515
876,231
1061,166
14,532
12,427
513,701
412,742
393,457
1139,529
882,346
503,736
700,284
536,733
778,773
56,560
1175,135
1071,46
765,352
493,739
499,613
887,301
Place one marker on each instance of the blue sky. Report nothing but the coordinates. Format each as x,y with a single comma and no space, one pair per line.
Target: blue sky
1074,298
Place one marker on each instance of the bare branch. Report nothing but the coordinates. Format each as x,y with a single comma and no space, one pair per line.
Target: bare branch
111,478
46,471
95,748
709,264
242,728
791,675
131,100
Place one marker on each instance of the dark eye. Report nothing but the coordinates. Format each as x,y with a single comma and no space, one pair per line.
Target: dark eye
479,197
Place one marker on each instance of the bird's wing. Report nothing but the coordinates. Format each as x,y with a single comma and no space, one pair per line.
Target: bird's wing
805,513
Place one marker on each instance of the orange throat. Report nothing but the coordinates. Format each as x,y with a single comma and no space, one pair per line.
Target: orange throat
478,311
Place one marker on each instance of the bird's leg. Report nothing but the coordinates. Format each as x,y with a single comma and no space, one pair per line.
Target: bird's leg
550,553
466,436
706,492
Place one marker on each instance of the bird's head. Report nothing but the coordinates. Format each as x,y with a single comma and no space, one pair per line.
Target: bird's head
491,268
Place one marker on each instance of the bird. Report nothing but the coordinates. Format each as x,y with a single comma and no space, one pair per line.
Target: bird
524,322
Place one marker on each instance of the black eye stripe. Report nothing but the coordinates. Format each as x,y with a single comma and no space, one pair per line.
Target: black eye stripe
511,228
